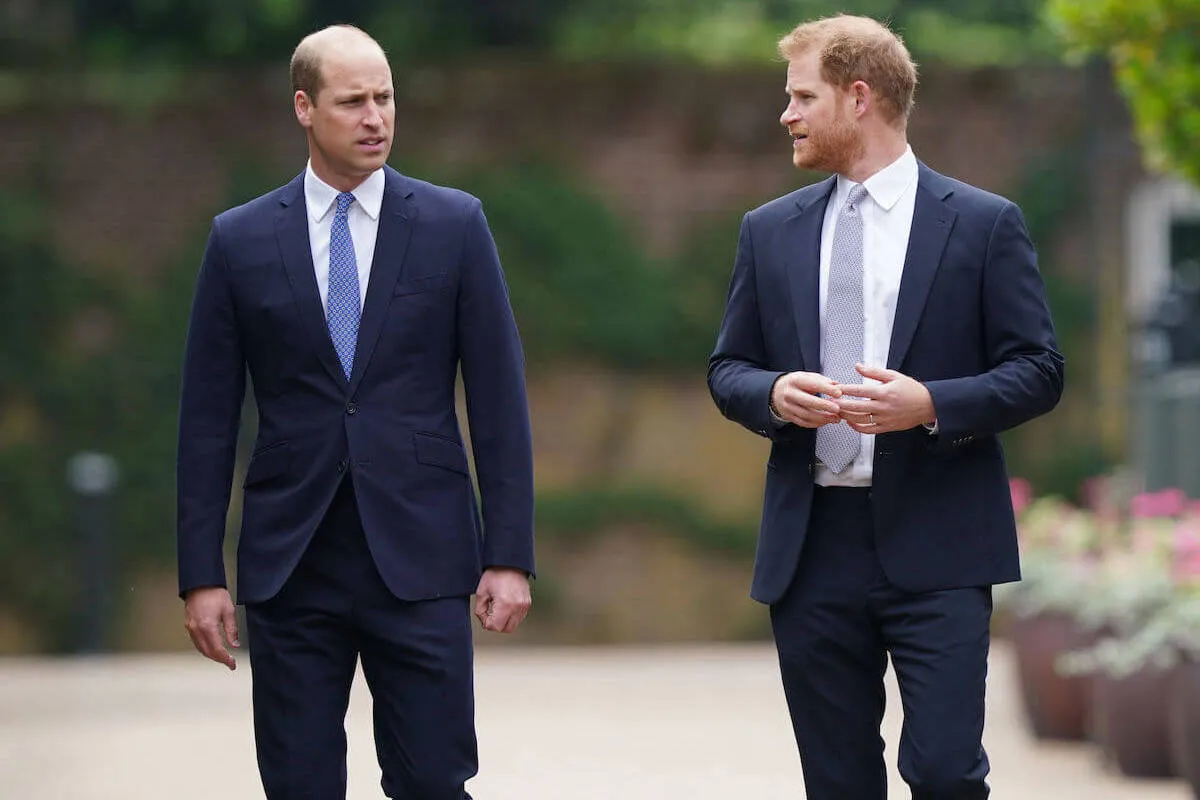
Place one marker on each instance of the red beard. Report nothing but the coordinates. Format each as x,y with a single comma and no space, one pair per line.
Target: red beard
830,149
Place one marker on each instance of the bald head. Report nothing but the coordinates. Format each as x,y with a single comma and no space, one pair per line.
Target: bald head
310,53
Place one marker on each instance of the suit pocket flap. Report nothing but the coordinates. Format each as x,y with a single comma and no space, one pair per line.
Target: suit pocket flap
438,451
425,284
267,463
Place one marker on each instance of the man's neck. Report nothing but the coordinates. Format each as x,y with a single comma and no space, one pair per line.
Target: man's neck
342,183
878,154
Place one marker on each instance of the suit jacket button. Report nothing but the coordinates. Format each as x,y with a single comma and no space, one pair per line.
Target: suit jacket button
341,467
352,408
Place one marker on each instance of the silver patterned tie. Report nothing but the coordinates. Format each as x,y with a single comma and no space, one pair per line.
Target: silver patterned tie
842,329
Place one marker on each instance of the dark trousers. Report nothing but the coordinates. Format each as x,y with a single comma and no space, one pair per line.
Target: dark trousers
834,629
305,644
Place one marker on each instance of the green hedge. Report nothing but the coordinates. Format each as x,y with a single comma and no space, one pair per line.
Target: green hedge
581,514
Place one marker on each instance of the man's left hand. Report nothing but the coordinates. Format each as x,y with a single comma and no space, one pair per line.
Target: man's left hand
502,599
896,403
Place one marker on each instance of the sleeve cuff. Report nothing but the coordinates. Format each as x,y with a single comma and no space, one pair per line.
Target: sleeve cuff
777,421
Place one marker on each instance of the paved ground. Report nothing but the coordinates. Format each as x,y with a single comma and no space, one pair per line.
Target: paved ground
703,723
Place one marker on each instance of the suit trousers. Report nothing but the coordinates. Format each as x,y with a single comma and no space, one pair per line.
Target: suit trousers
834,629
305,645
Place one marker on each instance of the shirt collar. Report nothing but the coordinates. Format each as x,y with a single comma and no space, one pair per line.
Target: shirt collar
886,186
319,196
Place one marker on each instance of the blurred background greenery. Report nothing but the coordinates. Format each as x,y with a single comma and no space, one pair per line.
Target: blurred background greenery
615,145
196,32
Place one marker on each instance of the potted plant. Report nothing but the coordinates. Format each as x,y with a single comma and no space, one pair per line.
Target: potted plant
1057,558
1178,628
1133,603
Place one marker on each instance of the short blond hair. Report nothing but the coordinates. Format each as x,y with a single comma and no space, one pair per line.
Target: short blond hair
859,49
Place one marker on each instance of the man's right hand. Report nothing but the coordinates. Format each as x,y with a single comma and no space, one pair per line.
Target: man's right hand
208,614
795,398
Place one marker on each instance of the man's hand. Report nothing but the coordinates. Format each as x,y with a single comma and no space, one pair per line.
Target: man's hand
795,398
208,613
502,599
896,403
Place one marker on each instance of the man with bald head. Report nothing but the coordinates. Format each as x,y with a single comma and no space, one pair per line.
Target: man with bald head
353,297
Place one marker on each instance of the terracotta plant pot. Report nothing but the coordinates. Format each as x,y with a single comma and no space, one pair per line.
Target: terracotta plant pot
1131,717
1055,705
1183,723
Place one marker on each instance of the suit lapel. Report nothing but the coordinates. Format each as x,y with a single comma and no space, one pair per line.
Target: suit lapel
291,230
802,243
396,218
932,222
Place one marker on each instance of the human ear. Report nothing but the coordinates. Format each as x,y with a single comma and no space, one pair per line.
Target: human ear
303,108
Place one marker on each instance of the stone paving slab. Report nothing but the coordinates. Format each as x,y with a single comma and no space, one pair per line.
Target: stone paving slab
697,722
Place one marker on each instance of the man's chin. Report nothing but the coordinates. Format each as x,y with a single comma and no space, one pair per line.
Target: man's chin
807,164
373,162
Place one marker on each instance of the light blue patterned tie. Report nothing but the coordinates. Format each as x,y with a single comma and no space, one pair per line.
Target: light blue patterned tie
343,307
842,330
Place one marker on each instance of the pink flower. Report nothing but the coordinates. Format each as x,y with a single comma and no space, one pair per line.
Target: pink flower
1022,494
1165,503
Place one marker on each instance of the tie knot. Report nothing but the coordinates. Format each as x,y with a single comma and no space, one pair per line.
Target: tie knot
344,199
856,196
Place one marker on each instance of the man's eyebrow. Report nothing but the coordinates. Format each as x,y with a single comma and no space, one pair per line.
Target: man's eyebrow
356,94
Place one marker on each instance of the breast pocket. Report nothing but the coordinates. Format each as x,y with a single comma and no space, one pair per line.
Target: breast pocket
422,316
428,283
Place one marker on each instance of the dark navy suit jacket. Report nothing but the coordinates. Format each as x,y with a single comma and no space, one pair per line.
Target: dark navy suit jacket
971,323
436,304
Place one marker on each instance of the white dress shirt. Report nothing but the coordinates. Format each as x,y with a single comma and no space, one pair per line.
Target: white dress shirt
363,216
887,221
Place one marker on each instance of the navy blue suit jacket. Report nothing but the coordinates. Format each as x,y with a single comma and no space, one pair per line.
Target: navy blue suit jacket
436,303
971,323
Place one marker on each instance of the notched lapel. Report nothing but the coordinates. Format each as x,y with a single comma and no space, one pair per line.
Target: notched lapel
932,222
291,230
802,242
397,217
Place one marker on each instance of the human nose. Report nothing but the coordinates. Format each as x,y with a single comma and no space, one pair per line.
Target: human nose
789,115
374,115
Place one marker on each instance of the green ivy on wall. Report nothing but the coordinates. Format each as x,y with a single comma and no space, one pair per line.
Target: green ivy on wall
89,364
582,286
1049,454
93,363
